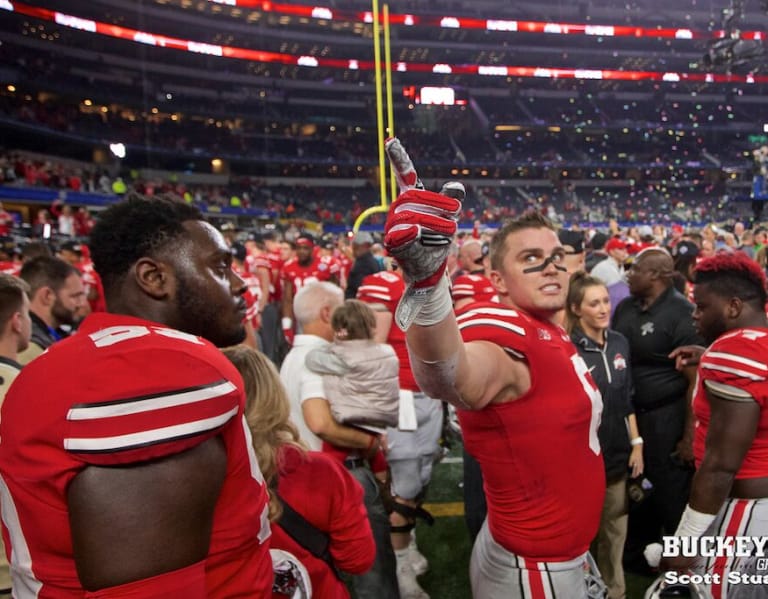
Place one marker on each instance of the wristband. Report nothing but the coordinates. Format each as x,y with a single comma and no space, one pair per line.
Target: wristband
438,305
287,323
693,523
636,441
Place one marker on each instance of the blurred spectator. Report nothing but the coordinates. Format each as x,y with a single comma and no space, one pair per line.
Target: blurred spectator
365,263
56,298
6,221
43,225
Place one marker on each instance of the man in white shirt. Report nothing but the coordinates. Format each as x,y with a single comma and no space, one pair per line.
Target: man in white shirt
313,306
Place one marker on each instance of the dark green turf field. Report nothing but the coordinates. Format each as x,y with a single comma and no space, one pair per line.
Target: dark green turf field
446,544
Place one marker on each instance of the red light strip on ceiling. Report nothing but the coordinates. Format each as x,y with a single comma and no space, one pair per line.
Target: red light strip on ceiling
449,22
173,43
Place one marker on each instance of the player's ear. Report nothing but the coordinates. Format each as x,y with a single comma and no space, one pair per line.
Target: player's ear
46,296
153,277
16,322
734,307
325,313
498,282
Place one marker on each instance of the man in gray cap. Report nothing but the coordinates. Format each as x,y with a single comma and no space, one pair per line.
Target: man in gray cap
365,262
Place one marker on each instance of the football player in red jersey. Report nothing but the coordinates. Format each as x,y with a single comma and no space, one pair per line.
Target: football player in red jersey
78,255
252,295
128,440
729,494
534,434
6,221
306,267
10,263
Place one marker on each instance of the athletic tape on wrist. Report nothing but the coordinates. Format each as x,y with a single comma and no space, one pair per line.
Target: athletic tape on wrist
437,306
693,523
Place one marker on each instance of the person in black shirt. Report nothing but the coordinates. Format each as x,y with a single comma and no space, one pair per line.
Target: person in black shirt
365,263
656,319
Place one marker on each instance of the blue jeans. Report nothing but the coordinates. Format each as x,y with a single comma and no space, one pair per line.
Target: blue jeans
380,582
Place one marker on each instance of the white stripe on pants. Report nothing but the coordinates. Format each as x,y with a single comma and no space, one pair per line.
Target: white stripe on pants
738,517
496,573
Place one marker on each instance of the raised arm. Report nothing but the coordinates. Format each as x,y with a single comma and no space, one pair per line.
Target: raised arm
419,233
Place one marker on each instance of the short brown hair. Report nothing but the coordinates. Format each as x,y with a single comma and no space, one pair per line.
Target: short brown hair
528,220
12,291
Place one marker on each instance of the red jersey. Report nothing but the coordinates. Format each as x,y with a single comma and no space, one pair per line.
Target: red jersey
6,223
320,269
92,281
387,288
736,359
251,296
124,391
335,507
344,262
275,265
11,267
253,261
476,287
540,456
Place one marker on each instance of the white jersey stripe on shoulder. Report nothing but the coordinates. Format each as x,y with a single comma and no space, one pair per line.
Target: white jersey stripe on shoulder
737,371
493,323
736,358
368,288
489,312
379,296
25,584
148,437
150,404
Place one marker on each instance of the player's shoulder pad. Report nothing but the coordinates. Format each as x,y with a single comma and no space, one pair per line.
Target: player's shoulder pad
502,325
738,354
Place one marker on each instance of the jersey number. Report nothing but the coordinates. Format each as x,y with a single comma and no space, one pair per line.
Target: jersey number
118,334
595,399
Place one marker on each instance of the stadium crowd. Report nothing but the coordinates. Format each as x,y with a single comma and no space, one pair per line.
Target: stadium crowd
339,206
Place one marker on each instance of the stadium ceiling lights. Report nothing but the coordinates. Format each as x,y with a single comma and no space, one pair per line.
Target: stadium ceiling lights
450,22
142,37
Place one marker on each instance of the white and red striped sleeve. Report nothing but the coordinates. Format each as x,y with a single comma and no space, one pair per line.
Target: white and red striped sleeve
145,414
734,366
381,288
492,322
476,287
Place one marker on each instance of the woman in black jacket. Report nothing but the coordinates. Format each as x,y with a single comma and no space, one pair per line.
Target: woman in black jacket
606,352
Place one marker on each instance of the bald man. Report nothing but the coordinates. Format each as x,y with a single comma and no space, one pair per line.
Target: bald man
470,257
656,319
